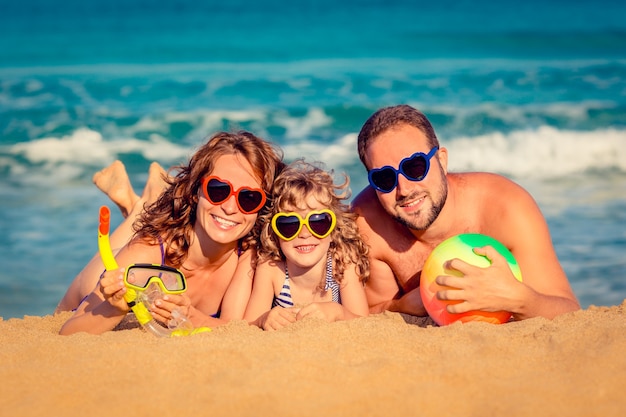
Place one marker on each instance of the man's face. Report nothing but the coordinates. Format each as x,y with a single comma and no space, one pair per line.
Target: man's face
415,204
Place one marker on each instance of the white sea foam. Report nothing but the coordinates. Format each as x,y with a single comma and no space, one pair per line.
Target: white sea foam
334,155
74,156
203,121
301,127
542,153
83,145
514,115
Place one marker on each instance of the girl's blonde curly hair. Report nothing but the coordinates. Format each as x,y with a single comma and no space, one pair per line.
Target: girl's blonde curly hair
292,187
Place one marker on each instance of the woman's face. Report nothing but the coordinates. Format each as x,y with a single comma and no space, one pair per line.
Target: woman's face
224,222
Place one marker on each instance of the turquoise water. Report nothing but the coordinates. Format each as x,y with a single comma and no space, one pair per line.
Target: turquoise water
534,91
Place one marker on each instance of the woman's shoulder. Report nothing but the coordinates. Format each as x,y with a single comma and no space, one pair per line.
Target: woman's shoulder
141,247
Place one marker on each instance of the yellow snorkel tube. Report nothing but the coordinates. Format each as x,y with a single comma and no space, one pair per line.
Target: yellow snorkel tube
183,328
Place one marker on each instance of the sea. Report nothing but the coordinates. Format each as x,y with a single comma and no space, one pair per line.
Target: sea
533,90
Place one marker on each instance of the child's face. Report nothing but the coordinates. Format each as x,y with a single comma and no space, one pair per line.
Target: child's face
306,250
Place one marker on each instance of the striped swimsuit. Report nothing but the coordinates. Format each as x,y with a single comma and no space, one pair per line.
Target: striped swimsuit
284,298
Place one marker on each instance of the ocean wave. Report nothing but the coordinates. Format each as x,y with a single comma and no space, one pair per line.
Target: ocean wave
66,159
325,68
545,152
542,153
323,98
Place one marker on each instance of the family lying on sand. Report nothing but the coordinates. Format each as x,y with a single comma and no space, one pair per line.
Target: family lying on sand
272,243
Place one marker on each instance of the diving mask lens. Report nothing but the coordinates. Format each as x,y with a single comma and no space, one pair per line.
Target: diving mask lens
139,277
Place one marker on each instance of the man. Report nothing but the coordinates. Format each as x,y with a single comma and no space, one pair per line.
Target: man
413,204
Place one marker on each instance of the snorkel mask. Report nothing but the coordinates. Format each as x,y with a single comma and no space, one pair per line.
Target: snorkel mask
162,278
146,283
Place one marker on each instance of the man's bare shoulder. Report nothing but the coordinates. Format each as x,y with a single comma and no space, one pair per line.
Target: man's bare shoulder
493,204
365,201
369,211
376,226
479,179
486,187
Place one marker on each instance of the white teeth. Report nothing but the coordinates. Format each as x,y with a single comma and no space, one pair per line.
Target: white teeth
414,203
224,222
305,248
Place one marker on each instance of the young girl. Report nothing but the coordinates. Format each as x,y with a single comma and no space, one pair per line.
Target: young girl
203,223
312,261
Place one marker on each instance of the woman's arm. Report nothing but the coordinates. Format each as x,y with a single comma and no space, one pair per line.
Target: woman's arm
105,306
103,309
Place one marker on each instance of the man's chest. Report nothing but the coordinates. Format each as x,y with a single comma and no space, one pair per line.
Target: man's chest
407,265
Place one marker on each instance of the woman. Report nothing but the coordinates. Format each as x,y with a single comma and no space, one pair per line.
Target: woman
203,224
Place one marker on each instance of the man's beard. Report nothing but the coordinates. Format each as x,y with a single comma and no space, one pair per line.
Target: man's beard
432,214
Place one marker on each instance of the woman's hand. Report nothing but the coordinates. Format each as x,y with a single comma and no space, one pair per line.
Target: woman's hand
111,287
162,309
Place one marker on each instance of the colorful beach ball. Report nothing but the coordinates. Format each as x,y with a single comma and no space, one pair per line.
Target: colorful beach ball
461,247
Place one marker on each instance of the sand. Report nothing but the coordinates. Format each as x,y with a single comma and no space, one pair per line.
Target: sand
383,365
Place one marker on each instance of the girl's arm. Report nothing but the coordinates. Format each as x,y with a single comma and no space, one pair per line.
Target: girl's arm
352,293
240,288
353,301
260,302
259,311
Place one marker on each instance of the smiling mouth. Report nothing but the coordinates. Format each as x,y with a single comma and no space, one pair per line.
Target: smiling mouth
412,202
305,248
226,224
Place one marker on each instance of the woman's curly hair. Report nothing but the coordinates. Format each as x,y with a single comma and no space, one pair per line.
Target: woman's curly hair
172,216
292,187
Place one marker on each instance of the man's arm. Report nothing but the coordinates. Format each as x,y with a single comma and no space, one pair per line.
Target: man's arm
549,292
513,218
383,292
382,289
